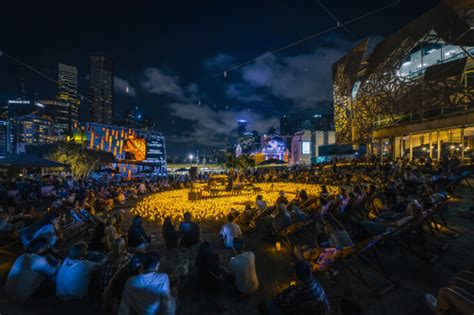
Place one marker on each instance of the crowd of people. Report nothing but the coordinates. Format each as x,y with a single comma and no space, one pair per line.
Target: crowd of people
73,242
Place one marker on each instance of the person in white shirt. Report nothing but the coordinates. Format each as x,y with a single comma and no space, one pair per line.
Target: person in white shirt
242,268
149,292
29,271
72,282
229,231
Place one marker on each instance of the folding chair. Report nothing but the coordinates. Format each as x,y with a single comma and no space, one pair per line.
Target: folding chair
363,249
412,235
442,227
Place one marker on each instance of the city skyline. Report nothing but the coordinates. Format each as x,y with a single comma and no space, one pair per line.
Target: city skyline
189,105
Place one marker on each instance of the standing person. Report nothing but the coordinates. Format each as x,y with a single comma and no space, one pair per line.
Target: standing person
170,235
29,271
229,231
189,231
74,276
242,268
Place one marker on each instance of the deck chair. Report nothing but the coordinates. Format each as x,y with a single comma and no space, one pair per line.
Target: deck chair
329,258
430,230
363,250
411,235
439,222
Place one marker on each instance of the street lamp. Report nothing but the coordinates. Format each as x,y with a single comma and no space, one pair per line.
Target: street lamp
191,158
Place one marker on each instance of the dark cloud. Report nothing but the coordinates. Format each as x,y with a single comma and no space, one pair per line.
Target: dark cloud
219,62
212,127
160,83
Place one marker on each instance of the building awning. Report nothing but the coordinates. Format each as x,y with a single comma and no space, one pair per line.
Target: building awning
25,160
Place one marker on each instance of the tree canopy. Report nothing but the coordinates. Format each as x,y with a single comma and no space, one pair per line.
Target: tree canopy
81,161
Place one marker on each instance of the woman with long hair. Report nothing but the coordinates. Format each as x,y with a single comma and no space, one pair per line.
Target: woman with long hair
170,235
100,241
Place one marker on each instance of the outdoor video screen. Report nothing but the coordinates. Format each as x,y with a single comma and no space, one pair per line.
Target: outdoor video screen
155,149
305,147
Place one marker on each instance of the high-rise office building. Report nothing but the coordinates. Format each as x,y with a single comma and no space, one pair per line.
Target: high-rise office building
241,127
323,122
284,125
63,113
67,88
101,90
5,138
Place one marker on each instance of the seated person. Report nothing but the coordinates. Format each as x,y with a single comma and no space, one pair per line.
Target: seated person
111,229
281,198
457,298
112,294
282,218
208,266
170,235
298,214
306,297
72,282
150,292
336,233
7,229
189,231
29,271
229,231
324,252
100,242
116,260
260,204
137,236
242,268
46,227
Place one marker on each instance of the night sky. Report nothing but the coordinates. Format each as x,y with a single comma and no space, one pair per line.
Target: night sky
167,53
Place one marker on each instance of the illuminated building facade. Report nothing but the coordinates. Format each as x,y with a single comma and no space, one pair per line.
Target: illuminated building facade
5,138
64,114
273,147
129,146
67,87
305,145
101,90
413,94
32,130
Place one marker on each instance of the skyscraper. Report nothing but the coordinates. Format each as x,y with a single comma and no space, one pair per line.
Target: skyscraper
241,127
284,125
101,90
67,89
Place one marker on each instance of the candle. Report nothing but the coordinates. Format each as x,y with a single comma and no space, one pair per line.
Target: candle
278,246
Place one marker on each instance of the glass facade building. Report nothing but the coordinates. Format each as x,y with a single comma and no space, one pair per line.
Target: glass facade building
414,93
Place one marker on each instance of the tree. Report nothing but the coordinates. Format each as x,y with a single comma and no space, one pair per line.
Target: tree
81,161
241,163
